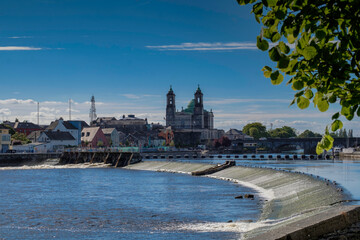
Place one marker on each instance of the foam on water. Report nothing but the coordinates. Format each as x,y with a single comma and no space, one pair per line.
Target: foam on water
49,166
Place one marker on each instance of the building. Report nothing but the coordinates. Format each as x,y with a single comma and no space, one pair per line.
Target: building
79,125
127,125
112,136
93,137
33,136
193,125
26,127
57,140
193,117
65,126
5,139
234,134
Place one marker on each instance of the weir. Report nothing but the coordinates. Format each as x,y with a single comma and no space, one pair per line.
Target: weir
116,159
295,205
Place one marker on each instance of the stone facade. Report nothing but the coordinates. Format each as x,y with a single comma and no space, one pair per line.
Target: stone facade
193,117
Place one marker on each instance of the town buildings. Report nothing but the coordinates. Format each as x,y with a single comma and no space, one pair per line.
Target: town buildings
5,139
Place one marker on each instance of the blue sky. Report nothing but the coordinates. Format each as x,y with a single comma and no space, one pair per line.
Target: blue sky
127,53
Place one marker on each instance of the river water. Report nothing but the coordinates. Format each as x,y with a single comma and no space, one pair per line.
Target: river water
346,173
108,203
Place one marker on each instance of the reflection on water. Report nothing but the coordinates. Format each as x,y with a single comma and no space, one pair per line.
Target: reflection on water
108,203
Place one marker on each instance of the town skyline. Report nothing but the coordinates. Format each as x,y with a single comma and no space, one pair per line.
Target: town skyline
128,53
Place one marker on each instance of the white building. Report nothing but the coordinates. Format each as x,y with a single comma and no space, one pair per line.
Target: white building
64,126
57,140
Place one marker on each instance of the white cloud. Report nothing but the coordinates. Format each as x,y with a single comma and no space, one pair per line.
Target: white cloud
203,46
18,37
131,96
239,100
19,48
5,111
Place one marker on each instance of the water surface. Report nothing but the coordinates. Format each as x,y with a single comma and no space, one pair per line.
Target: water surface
108,203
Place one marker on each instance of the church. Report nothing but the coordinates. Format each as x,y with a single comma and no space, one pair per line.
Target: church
192,121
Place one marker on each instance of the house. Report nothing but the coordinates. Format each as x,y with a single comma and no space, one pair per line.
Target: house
93,137
26,127
112,136
57,140
234,134
65,126
5,139
79,125
33,136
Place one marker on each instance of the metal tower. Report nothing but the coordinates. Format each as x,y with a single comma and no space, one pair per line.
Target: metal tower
92,114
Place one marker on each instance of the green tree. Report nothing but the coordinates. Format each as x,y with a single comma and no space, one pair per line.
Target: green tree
283,132
20,137
255,130
309,134
317,42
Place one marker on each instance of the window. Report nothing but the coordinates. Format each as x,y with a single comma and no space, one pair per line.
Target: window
82,134
87,134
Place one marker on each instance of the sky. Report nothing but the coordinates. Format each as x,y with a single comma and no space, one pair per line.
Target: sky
127,53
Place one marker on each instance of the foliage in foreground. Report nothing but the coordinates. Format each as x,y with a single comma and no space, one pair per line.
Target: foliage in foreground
317,42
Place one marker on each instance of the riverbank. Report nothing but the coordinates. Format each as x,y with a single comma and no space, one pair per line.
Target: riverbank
289,198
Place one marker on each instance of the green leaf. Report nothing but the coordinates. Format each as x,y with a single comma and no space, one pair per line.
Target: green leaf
274,54
298,85
320,34
335,116
337,124
309,52
271,3
291,39
267,71
309,94
303,102
276,78
284,48
275,37
262,44
283,62
345,111
323,105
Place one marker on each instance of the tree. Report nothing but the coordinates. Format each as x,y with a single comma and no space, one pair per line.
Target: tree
309,134
317,42
283,132
255,130
21,137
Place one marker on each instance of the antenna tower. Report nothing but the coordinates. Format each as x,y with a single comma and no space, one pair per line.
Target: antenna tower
38,113
70,109
92,114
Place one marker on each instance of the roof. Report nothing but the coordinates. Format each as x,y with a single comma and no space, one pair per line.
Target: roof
58,135
34,134
234,132
3,127
26,125
107,131
66,124
92,132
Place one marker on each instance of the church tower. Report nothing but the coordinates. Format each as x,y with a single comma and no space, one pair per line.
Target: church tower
170,108
198,117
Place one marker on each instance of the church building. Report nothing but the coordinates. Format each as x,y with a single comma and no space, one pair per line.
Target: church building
194,124
193,117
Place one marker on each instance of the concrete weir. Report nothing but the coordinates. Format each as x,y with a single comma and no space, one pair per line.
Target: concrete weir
116,159
296,206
